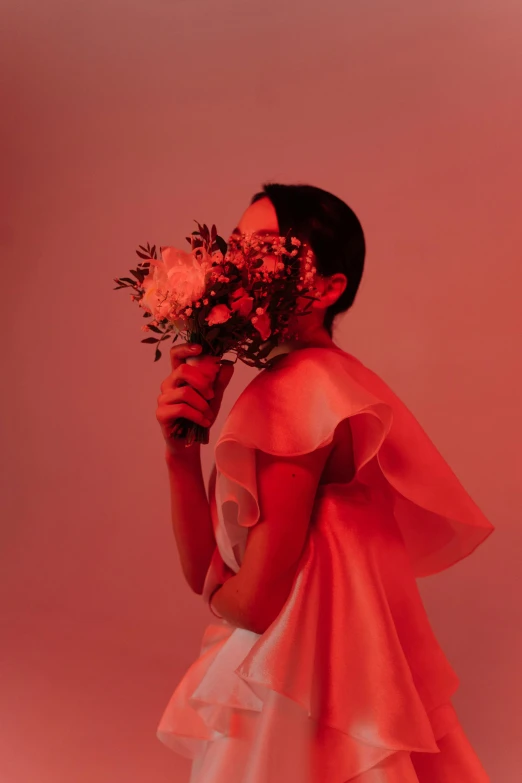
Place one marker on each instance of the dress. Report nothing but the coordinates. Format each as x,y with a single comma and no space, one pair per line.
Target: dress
349,682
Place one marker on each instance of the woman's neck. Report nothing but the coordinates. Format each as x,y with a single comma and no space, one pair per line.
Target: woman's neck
296,344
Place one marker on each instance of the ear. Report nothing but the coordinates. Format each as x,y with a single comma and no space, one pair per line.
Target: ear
335,287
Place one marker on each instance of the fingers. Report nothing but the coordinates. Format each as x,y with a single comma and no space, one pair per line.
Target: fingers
178,357
167,419
186,374
184,395
186,392
178,353
183,402
187,395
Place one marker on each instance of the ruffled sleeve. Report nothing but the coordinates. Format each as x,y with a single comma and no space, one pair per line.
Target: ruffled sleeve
350,672
294,408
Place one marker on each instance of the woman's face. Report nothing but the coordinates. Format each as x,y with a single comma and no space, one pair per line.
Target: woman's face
261,219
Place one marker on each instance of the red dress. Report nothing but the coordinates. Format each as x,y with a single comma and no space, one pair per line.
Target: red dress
349,682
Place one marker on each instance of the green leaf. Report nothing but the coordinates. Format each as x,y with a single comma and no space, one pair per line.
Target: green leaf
157,354
221,244
142,255
155,329
128,280
151,340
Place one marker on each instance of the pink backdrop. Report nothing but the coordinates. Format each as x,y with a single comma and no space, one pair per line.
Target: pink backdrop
122,123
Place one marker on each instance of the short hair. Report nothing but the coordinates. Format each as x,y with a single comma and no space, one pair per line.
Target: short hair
330,228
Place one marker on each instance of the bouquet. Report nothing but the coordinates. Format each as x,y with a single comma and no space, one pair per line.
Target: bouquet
241,297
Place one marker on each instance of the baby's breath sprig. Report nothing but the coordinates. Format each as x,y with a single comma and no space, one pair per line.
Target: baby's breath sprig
238,297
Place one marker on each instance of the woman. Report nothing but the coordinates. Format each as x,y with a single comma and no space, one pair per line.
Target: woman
327,501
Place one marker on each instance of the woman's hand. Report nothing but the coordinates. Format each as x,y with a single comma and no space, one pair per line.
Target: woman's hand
193,390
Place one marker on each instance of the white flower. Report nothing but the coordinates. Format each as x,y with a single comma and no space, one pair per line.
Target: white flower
176,280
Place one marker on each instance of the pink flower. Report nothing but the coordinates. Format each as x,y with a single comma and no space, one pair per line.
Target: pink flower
218,315
241,303
178,278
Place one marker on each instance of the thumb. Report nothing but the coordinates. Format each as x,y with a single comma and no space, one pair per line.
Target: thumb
221,382
226,371
223,377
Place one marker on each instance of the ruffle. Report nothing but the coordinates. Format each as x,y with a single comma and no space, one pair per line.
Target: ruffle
352,649
295,407
349,680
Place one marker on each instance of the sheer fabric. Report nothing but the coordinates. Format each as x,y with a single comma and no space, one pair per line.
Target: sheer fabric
349,682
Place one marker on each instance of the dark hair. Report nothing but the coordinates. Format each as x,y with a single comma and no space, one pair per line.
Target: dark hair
331,229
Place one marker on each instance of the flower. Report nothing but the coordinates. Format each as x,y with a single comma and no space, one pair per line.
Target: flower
241,303
218,315
179,277
239,277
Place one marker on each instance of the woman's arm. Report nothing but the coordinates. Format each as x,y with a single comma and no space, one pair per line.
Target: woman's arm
229,602
286,493
193,530
194,533
191,519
